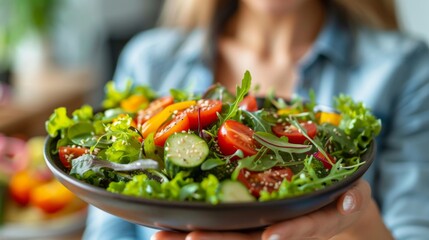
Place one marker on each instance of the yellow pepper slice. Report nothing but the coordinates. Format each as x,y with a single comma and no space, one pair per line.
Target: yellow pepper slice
287,111
156,121
329,117
133,103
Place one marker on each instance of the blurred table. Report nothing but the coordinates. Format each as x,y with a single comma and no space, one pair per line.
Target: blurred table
24,110
32,101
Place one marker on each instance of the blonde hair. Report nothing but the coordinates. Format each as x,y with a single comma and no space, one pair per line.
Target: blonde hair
188,14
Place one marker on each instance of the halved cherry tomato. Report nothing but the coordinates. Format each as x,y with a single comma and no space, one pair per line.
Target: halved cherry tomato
249,103
268,180
204,113
154,107
326,163
177,124
293,134
233,136
67,153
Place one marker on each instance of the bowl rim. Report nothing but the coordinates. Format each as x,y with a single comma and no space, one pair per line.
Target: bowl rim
369,156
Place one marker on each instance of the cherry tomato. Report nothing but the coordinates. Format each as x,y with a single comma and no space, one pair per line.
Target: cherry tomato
268,180
51,197
249,103
293,134
204,113
177,124
67,153
153,108
326,163
21,185
233,136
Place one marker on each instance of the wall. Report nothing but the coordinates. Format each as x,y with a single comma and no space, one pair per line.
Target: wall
414,17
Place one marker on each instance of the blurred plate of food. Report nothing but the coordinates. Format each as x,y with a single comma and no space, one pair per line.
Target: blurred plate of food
33,204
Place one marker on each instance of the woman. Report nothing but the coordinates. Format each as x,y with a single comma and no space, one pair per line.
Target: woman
292,46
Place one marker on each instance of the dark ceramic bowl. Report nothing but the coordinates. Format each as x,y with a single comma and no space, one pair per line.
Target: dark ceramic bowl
188,216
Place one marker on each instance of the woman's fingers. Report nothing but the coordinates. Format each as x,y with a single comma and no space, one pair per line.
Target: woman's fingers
164,235
223,236
322,224
326,222
199,235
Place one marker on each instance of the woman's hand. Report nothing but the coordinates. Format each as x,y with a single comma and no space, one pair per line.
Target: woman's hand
343,220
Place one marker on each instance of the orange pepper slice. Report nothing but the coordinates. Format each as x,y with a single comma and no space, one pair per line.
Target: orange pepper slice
133,103
156,121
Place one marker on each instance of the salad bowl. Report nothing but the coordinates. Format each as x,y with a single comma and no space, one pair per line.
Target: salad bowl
188,216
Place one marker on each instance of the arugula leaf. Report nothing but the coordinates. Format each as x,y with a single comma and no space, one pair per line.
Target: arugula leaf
338,139
296,124
241,93
280,144
212,163
218,92
257,163
256,121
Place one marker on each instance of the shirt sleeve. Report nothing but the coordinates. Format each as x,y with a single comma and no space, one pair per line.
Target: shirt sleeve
132,63
101,225
404,156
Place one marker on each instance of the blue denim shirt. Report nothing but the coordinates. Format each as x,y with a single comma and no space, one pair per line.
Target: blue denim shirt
388,71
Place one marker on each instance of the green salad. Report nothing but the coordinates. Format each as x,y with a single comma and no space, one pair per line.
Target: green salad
215,147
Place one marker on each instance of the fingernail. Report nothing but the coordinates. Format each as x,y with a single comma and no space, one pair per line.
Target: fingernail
274,237
348,203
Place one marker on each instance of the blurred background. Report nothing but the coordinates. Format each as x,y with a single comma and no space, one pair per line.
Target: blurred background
61,53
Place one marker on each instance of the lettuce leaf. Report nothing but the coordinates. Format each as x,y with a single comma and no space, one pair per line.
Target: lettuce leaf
58,121
357,121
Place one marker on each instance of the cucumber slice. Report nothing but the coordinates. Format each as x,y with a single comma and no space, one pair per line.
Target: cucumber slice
184,152
234,191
